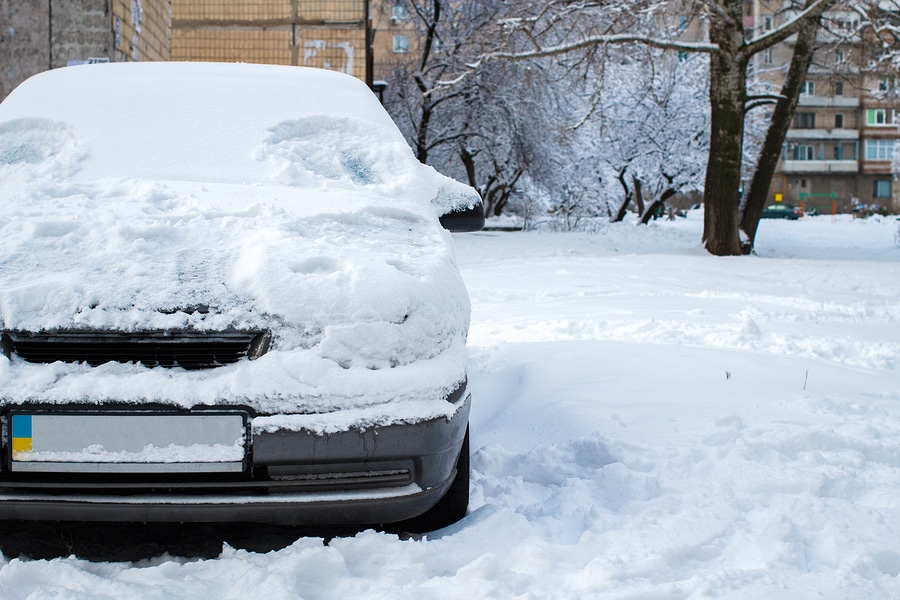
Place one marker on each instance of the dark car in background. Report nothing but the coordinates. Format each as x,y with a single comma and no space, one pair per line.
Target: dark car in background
781,211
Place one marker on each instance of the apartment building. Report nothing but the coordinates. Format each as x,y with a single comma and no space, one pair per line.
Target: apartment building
839,149
394,36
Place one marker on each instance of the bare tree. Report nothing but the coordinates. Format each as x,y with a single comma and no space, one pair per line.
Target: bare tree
416,93
483,128
564,27
654,124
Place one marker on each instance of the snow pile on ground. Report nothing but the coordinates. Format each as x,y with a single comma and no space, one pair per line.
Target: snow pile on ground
648,421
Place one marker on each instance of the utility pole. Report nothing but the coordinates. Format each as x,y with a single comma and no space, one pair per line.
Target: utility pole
370,34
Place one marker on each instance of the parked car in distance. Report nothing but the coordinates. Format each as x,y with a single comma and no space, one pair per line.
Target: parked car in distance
226,295
781,211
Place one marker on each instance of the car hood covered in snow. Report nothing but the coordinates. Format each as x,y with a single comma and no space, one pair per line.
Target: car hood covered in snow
159,197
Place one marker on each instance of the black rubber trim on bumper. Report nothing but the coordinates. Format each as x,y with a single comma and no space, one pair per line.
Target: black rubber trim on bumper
252,509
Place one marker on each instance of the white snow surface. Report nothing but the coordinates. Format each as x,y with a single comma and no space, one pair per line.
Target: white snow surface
649,421
247,197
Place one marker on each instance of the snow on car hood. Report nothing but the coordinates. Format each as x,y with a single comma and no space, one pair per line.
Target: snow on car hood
317,226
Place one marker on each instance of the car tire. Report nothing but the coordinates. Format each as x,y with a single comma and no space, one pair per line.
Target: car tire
451,507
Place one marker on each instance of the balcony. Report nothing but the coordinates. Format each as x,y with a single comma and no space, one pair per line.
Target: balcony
823,134
829,101
819,166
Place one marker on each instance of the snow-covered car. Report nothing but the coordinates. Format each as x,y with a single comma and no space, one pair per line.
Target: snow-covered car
226,294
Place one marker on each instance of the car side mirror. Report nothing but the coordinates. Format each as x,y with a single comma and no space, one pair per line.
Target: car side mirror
463,220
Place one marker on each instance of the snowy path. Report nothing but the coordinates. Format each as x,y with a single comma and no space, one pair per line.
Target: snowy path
649,422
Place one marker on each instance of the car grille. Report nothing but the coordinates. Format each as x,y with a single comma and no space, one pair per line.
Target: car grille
189,350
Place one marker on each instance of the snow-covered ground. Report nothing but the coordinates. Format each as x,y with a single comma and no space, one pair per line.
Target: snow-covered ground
649,421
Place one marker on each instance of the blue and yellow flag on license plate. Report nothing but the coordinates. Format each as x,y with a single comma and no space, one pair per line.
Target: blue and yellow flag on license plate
21,433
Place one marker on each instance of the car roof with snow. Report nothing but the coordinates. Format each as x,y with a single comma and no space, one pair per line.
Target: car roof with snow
189,121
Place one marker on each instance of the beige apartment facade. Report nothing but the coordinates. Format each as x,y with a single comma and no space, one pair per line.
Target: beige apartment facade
839,149
395,38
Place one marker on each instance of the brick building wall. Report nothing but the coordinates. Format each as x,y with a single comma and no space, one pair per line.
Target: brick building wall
314,33
139,29
24,41
36,35
79,31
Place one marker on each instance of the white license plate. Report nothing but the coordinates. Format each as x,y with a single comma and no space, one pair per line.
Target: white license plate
128,442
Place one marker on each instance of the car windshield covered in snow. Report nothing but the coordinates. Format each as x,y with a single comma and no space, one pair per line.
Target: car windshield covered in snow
236,271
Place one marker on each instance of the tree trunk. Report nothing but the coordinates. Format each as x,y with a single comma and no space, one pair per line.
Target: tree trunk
422,130
623,208
638,195
727,94
651,210
468,161
758,193
506,192
656,205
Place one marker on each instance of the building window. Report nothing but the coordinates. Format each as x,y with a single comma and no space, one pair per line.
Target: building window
838,56
401,44
876,116
805,120
808,89
838,152
767,56
399,13
882,188
847,23
839,121
804,152
879,149
767,23
682,22
839,88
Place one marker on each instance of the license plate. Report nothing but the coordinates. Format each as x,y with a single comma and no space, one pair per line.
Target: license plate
127,442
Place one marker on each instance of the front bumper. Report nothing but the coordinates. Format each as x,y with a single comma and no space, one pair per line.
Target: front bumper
359,476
